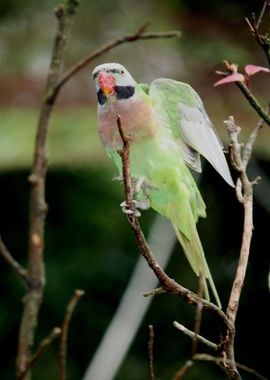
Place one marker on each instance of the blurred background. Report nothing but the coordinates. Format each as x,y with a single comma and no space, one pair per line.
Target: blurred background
89,244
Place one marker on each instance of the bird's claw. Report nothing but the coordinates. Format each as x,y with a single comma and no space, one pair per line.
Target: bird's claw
128,211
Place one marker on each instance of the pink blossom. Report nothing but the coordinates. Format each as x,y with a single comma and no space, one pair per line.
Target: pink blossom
235,77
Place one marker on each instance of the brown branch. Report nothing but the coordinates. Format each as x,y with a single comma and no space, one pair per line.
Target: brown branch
183,370
64,336
254,102
240,157
16,267
138,35
38,208
43,346
150,346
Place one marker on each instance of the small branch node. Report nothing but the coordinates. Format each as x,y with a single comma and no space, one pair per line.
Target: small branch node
155,292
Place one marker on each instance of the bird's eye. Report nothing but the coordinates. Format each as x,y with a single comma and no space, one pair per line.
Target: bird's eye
122,72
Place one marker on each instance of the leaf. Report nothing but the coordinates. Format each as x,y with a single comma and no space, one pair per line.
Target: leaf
235,77
254,69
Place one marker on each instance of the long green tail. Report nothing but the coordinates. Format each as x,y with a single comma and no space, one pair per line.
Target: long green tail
195,255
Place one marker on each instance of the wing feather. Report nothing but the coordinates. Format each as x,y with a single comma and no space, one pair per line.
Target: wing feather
180,109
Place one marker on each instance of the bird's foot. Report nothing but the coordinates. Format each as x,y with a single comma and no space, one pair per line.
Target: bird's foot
143,205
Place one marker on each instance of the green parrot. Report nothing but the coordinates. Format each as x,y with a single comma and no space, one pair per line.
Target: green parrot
169,129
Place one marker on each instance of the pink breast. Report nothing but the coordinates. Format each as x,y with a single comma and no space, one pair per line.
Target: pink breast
137,119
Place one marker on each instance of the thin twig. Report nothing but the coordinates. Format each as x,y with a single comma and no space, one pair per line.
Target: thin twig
78,293
183,370
17,268
150,346
219,362
43,346
193,335
138,35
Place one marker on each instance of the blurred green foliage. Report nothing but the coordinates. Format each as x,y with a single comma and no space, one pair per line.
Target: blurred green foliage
88,241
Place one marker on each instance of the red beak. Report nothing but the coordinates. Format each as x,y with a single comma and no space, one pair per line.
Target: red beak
107,83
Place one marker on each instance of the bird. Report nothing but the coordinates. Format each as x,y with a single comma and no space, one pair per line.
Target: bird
168,129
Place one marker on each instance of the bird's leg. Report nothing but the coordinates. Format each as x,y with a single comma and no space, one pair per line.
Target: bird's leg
140,191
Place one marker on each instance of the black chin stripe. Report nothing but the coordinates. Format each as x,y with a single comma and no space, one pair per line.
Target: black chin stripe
124,92
101,97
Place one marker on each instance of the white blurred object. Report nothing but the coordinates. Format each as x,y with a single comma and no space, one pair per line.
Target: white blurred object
133,306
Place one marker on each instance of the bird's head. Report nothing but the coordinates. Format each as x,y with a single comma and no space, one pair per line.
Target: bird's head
113,81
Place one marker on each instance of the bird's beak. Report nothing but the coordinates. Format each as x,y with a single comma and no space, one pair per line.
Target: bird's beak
106,83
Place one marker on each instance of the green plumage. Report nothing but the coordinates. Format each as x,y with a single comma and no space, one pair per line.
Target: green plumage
169,129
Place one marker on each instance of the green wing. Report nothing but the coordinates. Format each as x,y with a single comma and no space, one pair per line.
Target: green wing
180,109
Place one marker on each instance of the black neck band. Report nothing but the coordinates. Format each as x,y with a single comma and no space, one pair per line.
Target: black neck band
122,92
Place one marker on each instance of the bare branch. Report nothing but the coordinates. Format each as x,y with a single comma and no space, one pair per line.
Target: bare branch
254,102
138,35
183,370
193,336
17,268
38,208
64,336
240,157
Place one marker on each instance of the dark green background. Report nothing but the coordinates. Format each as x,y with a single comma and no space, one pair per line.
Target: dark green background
89,244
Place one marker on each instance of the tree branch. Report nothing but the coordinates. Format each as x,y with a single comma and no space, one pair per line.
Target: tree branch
38,208
64,336
240,158
254,102
196,336
138,35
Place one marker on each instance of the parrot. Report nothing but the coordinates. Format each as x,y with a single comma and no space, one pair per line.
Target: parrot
168,129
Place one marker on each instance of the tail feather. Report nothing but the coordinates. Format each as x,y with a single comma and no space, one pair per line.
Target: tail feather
195,255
